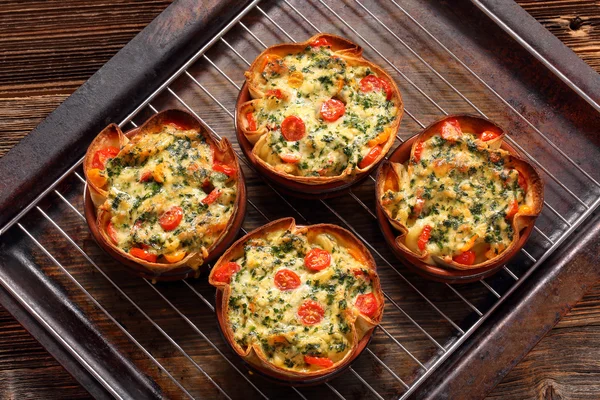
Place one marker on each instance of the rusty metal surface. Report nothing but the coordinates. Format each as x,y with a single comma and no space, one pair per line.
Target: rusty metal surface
522,321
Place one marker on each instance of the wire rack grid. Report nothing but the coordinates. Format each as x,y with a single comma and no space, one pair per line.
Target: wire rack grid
422,344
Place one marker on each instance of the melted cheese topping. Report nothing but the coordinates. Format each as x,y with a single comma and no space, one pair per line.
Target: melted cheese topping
466,193
158,172
328,148
261,314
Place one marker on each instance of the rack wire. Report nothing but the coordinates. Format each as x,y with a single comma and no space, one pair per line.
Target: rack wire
471,304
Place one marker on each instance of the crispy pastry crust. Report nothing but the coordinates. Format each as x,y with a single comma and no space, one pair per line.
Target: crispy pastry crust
349,52
113,136
388,177
361,325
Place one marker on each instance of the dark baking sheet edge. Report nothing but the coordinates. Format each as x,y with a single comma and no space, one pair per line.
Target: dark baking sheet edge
455,375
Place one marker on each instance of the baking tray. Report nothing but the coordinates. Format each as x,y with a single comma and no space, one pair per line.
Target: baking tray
125,337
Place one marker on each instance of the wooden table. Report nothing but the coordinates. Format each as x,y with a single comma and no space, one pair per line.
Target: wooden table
49,48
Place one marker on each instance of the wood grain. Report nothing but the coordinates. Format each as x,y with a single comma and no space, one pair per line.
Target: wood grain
575,22
565,364
49,49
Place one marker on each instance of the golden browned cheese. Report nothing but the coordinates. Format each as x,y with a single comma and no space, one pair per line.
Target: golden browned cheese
262,313
463,192
161,172
306,80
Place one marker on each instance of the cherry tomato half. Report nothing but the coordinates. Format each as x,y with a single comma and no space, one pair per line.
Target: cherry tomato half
274,93
212,196
318,361
143,254
424,237
146,176
388,89
513,207
251,121
320,42
224,168
370,157
489,135
367,304
292,128
171,218
290,158
286,279
317,259
332,109
311,312
418,151
226,271
451,129
370,83
103,155
466,258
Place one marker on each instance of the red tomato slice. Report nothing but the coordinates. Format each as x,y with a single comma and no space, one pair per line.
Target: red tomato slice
424,237
332,109
251,121
212,196
293,128
370,157
451,129
286,279
317,259
103,155
112,232
290,158
274,93
466,258
388,89
367,304
146,176
171,218
489,135
522,181
418,151
143,254
311,312
320,42
370,83
318,361
224,168
226,271
513,207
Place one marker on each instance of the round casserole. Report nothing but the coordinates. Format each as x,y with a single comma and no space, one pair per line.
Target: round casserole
318,113
461,199
163,196
297,302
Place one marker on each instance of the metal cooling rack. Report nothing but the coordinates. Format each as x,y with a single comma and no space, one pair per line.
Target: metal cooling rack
249,27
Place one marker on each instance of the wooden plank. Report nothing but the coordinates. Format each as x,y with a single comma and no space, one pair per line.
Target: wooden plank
35,79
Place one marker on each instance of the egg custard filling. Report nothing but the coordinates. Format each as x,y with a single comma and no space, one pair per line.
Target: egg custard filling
457,196
296,296
167,195
322,113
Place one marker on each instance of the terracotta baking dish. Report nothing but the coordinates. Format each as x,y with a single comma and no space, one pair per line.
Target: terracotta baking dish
297,185
163,272
442,273
258,362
